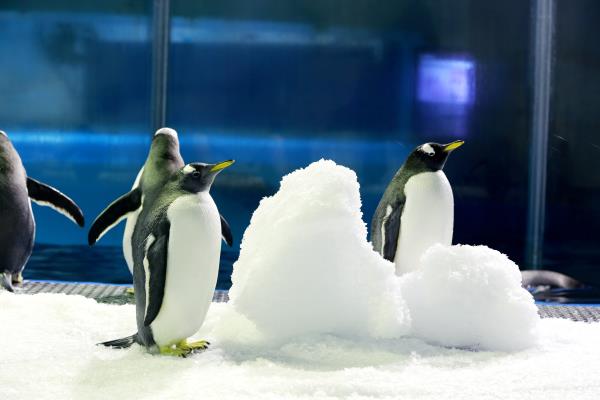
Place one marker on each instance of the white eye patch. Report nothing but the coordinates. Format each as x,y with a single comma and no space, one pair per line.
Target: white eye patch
427,149
188,169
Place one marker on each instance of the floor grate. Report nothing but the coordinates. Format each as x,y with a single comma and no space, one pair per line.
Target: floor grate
116,294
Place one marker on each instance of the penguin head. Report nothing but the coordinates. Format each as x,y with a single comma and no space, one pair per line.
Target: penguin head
198,177
165,144
431,156
168,132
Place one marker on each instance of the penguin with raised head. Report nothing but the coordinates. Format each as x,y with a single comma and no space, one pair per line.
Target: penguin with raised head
176,251
163,160
17,225
417,208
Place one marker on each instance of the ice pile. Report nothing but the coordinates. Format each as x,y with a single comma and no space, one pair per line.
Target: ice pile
470,296
305,265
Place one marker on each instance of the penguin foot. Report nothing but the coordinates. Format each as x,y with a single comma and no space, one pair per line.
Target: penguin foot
174,351
183,348
199,345
193,346
17,279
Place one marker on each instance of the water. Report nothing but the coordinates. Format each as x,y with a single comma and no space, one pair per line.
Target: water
80,263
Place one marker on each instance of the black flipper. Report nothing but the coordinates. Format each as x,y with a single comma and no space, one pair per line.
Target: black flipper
6,282
46,195
226,232
156,256
121,343
114,213
391,228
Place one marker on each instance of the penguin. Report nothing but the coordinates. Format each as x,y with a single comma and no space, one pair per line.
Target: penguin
417,208
17,224
176,251
163,160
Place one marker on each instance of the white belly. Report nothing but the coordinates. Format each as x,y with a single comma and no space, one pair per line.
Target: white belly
192,268
427,218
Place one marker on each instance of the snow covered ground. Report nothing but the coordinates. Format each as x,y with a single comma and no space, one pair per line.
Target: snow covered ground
48,352
316,313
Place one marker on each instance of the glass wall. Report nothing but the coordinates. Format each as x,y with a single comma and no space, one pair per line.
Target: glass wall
76,104
279,84
573,213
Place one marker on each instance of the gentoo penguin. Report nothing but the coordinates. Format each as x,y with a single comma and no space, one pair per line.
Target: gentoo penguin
163,160
17,225
176,251
417,208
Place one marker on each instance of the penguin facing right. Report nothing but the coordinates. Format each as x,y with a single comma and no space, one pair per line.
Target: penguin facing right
163,160
417,208
17,225
176,251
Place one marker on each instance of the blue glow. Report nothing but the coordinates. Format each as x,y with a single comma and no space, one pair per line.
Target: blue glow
447,80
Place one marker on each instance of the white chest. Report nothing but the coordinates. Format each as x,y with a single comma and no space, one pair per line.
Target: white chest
427,218
192,268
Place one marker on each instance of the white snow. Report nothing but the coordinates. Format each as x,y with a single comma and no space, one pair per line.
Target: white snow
316,314
470,296
49,352
306,267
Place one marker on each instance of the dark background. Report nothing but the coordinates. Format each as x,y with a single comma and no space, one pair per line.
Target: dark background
279,84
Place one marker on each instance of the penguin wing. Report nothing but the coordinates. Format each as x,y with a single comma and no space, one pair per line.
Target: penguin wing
226,231
45,195
155,269
113,214
390,229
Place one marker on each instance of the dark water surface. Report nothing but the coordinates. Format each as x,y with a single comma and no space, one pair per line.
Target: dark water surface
97,264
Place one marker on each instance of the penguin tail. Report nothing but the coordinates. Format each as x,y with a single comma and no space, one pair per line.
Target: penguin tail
121,343
6,281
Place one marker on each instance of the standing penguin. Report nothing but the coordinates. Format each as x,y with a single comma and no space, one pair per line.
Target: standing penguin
17,225
163,160
176,251
417,208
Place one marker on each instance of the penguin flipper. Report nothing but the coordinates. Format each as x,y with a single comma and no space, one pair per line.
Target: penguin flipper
121,343
113,214
45,195
391,230
226,231
156,254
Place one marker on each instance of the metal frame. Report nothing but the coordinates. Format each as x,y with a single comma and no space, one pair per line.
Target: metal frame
161,32
543,17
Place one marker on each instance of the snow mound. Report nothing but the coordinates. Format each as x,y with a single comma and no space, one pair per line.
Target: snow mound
305,265
470,296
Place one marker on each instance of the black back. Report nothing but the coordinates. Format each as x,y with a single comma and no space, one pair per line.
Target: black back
17,226
163,160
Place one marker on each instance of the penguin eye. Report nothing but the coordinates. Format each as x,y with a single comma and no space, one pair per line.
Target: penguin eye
196,174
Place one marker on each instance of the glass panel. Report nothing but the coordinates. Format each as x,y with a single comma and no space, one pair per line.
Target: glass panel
76,104
278,85
573,193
